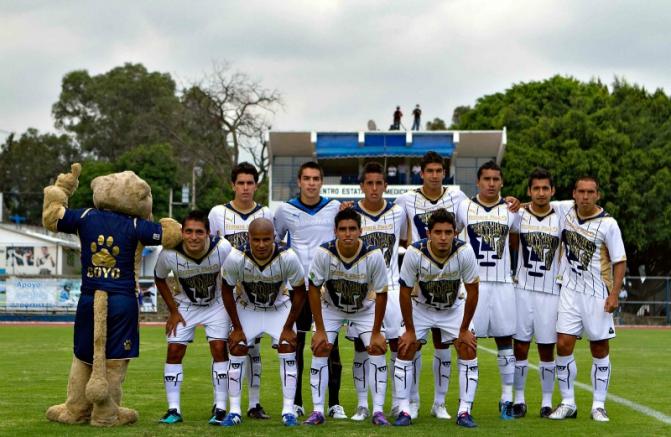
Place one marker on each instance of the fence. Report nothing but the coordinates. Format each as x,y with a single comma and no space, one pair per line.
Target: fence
645,301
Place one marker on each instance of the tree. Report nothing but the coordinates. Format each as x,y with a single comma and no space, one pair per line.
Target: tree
436,124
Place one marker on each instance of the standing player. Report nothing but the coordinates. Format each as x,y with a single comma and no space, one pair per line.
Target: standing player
382,225
536,289
354,280
307,222
435,267
196,266
592,270
490,228
261,272
231,222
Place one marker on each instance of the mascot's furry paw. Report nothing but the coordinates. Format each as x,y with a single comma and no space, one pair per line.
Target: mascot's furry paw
76,409
172,233
56,196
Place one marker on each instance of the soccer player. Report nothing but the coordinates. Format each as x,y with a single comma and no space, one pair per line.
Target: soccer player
196,267
536,289
435,267
260,273
354,280
592,269
382,225
306,221
490,228
231,221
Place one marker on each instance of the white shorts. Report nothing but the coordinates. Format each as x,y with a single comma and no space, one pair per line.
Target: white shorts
257,322
495,314
448,321
583,313
360,324
536,316
392,316
213,317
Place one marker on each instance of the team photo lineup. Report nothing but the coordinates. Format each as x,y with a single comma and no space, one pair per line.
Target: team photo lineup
546,270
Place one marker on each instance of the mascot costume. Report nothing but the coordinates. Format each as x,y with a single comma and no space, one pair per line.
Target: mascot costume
106,334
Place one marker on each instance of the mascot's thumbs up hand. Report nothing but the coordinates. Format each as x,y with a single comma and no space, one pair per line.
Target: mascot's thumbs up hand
56,196
68,182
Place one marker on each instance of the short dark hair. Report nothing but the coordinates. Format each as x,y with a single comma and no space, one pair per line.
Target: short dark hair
348,214
197,216
245,168
431,157
442,215
587,178
372,167
311,164
489,165
540,173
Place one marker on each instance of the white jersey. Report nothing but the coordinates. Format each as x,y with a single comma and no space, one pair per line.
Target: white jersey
198,280
418,208
228,222
263,285
538,257
436,282
349,284
590,248
488,231
384,230
306,227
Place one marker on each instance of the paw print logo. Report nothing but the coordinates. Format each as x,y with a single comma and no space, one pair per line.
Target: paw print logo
104,252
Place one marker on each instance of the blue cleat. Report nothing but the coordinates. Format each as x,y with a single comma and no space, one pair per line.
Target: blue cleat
466,420
289,420
172,416
379,419
403,419
231,419
506,409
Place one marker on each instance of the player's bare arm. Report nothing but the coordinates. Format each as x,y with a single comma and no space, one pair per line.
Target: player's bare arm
378,344
514,204
174,318
466,338
320,345
407,343
236,339
612,301
288,335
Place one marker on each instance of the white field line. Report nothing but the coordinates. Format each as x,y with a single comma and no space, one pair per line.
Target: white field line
615,398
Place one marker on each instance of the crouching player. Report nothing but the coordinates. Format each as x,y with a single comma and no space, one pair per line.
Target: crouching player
261,273
196,265
354,277
435,267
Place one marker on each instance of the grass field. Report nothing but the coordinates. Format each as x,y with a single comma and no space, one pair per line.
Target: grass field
36,360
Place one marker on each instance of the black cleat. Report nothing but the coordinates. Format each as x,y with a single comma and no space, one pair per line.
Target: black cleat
545,412
257,413
519,410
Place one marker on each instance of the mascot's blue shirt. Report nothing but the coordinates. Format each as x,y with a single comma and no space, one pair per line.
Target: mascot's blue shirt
109,243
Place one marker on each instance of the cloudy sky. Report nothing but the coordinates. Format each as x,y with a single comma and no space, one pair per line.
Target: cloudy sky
336,63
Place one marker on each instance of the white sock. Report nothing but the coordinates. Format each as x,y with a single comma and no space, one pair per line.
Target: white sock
403,383
360,374
377,377
235,371
600,379
442,366
468,383
520,380
566,374
220,383
390,378
506,361
288,375
319,379
417,372
172,379
546,370
253,372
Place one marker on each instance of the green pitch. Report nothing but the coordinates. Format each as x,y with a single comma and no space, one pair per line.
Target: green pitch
35,363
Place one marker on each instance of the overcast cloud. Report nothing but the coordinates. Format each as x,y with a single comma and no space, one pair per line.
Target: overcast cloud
336,63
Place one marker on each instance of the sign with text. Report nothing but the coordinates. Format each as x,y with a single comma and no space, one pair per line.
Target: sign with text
354,191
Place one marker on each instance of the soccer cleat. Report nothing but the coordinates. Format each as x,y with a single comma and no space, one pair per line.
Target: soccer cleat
172,416
361,414
316,418
403,419
545,412
232,419
506,409
257,413
218,416
337,412
599,415
440,412
300,411
466,420
289,420
379,419
414,410
519,410
564,411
